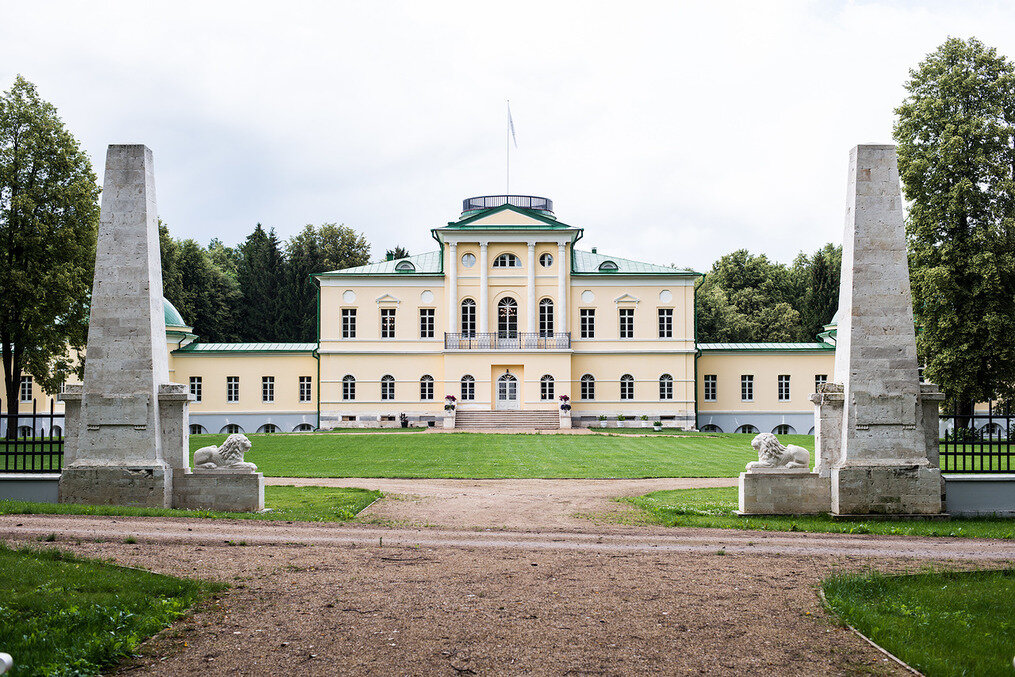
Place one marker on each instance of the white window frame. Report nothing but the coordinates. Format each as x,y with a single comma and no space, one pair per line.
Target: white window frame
232,388
546,388
348,323
587,323
711,387
25,389
627,387
196,387
468,320
268,389
819,379
784,388
427,322
666,387
468,391
426,388
306,388
587,388
747,387
507,260
387,387
625,322
546,317
388,323
666,323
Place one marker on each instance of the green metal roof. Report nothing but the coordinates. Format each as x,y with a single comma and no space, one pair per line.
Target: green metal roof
424,264
172,315
248,348
587,263
764,347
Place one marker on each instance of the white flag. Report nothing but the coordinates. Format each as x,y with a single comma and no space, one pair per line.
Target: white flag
511,125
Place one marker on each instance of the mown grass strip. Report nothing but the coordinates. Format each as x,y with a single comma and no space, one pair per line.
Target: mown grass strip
940,623
716,508
65,615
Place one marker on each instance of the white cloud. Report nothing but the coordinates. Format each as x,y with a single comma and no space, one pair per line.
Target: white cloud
672,132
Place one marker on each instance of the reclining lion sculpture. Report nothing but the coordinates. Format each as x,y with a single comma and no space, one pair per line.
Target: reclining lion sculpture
772,454
229,456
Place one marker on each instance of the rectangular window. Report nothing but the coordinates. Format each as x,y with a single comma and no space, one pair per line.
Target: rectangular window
818,380
348,388
267,388
387,323
784,387
426,388
195,387
426,322
627,323
468,318
747,387
711,387
348,323
468,389
587,318
232,388
26,389
666,323
306,388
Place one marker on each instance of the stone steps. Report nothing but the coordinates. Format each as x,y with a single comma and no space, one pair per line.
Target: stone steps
517,420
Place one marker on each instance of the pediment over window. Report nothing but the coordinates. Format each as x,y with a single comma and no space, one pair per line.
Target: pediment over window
626,298
389,299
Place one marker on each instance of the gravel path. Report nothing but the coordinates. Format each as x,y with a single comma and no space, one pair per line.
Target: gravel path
554,595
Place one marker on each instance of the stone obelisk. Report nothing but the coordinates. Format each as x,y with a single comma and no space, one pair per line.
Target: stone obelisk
884,463
117,430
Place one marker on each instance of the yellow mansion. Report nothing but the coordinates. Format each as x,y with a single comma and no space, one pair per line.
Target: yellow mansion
507,315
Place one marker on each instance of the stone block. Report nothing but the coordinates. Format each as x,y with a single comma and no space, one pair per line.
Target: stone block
219,490
147,486
787,492
911,489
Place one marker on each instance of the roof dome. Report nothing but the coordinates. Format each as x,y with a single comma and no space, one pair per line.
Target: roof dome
173,317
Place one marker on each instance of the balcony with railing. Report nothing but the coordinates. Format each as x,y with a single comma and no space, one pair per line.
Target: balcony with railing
507,341
540,204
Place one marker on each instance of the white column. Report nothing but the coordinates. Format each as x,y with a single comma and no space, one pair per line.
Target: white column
531,287
561,289
484,290
452,290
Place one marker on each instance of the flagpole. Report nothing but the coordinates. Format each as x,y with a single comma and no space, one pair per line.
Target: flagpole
507,182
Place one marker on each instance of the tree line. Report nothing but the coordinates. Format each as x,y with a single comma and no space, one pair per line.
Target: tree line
260,290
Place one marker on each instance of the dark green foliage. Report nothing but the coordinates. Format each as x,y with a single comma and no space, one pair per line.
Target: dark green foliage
749,298
941,623
398,252
49,215
63,615
263,287
956,162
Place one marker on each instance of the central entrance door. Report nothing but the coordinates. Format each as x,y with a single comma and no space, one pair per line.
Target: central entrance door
507,392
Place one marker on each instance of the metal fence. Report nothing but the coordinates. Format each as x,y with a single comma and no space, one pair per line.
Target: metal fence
978,442
33,442
492,201
507,341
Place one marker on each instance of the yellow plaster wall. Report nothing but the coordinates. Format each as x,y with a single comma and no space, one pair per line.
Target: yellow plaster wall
766,368
213,368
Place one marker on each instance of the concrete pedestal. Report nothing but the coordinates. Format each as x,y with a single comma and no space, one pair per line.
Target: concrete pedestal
912,489
222,490
781,491
146,486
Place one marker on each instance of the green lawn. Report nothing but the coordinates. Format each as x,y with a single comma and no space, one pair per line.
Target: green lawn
491,456
942,624
304,504
63,615
716,508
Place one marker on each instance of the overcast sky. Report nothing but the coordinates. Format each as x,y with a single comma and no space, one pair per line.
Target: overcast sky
672,132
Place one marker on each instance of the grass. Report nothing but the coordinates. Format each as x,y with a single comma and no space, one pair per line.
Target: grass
941,623
297,504
716,508
64,615
492,456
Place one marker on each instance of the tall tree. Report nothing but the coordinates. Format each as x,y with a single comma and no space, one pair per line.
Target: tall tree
343,247
261,277
399,252
955,133
820,297
49,217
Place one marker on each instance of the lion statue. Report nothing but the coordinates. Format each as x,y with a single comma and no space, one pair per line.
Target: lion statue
772,454
228,456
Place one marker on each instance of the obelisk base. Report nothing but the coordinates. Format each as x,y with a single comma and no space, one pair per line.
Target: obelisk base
883,490
146,486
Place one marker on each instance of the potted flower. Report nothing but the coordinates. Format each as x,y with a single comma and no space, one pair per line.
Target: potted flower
644,420
565,412
404,420
449,402
620,421
565,403
657,426
602,420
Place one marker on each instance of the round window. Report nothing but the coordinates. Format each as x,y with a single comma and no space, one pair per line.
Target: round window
468,260
546,260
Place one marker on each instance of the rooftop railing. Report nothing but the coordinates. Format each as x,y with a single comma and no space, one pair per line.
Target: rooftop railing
507,341
542,204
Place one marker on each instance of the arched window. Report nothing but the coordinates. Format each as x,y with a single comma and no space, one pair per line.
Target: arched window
546,387
608,267
348,387
507,261
507,318
25,431
268,428
426,387
468,388
784,429
627,387
468,318
197,429
748,429
588,387
303,428
665,387
546,317
387,387
546,260
711,428
57,431
231,429
404,267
